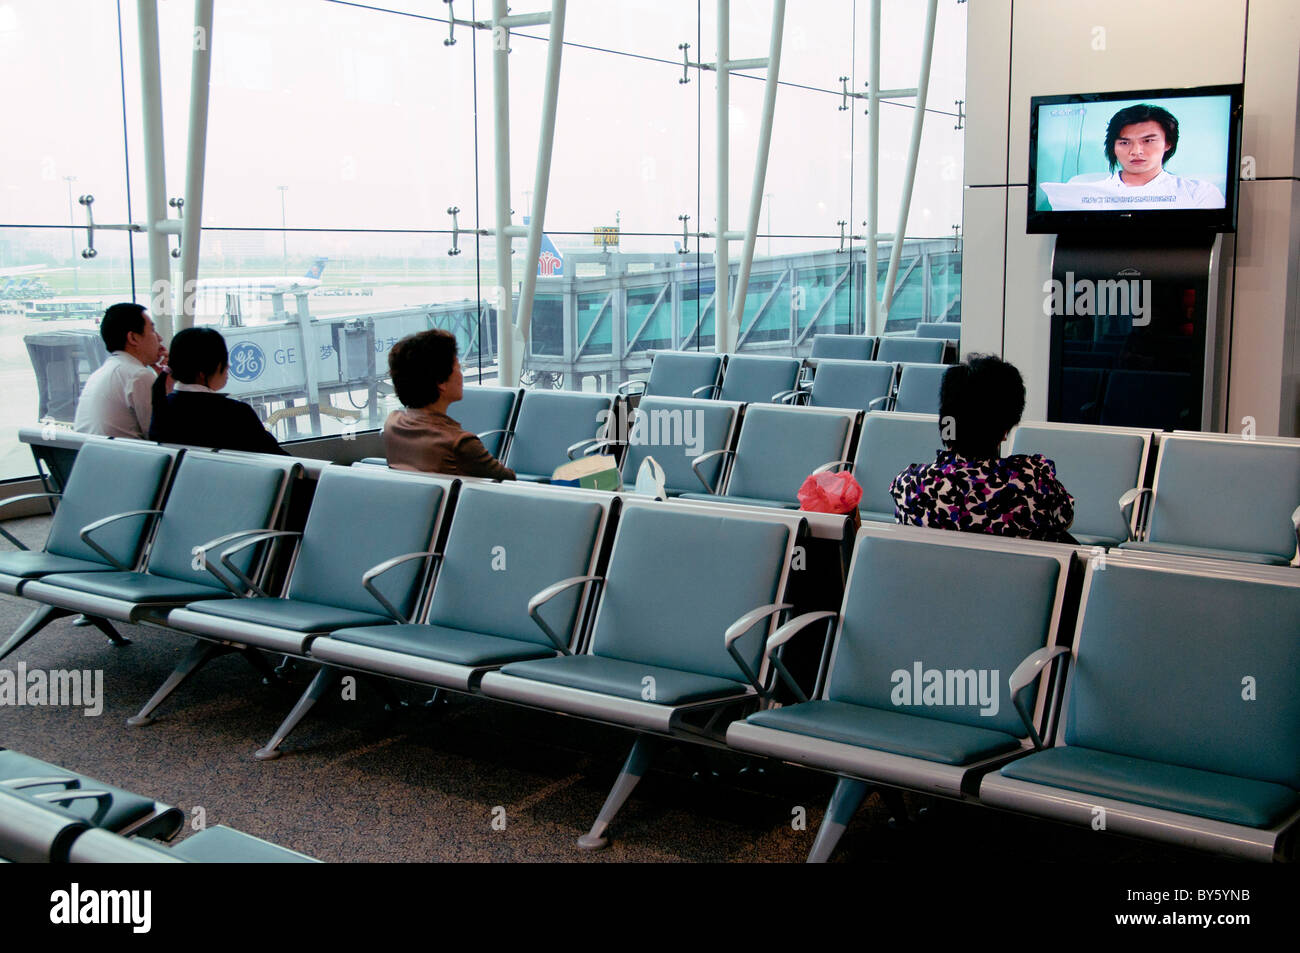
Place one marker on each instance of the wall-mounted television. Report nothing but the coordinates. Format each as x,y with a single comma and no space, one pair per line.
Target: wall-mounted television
1154,159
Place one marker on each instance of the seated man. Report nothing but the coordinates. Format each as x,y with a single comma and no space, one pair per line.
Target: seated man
117,400
970,486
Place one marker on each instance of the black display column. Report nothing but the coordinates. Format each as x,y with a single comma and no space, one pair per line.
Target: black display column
1134,331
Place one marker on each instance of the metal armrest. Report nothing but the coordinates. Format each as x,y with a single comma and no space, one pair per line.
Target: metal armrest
17,784
699,390
1128,499
256,538
21,499
200,554
493,433
876,403
743,625
783,635
374,572
85,532
695,466
104,798
625,388
591,445
1295,521
546,595
835,465
1026,674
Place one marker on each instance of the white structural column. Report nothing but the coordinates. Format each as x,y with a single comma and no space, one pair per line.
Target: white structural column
508,361
155,169
760,161
724,335
913,153
197,144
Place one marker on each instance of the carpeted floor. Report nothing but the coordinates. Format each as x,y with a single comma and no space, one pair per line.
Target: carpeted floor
359,784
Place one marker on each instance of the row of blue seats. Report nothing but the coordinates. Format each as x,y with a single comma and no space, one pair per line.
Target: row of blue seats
669,619
51,815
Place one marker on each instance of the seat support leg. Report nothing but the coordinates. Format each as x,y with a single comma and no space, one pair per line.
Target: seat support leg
40,617
638,762
106,627
260,665
848,797
325,681
199,655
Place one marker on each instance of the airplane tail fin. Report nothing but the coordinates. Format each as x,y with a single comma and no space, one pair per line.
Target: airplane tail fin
317,268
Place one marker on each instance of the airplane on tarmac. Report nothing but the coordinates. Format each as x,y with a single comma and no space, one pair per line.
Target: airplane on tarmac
275,284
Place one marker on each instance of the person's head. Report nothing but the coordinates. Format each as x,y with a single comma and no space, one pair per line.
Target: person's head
980,400
425,369
199,356
1141,139
128,327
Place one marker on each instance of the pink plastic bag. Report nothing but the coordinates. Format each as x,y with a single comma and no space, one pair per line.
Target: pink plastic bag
831,493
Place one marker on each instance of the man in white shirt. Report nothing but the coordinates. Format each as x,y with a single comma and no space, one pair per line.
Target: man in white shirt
117,400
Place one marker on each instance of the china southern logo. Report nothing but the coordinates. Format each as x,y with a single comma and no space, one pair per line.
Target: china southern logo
246,361
548,264
132,907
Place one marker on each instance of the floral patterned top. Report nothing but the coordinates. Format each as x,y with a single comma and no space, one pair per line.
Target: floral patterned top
1006,496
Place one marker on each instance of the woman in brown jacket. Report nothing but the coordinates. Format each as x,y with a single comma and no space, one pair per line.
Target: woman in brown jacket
426,375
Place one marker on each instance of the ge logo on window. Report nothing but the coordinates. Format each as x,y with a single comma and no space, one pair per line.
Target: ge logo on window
247,361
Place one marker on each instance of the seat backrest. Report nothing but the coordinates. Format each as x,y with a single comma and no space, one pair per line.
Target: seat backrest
780,446
853,384
1228,493
1184,664
674,431
681,373
110,478
847,347
214,495
889,444
945,330
506,544
359,518
751,378
1095,466
918,388
910,350
551,421
486,408
678,577
943,651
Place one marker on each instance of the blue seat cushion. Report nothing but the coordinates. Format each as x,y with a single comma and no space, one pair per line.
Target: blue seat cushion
532,478
33,565
1267,559
608,676
444,644
1169,787
292,614
872,516
124,810
896,732
743,500
137,587
222,845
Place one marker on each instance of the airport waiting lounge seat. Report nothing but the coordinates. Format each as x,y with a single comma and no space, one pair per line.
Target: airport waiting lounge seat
927,686
659,426
361,559
1222,496
677,374
550,426
212,498
487,412
910,350
755,379
918,388
1096,465
857,385
888,444
943,330
212,845
1179,719
778,448
675,650
844,347
512,549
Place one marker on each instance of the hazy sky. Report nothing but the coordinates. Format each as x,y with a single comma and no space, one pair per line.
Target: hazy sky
369,119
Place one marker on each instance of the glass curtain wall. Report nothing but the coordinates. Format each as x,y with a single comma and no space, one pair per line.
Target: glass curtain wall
341,134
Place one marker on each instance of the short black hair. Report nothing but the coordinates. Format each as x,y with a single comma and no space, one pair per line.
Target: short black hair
1142,112
420,362
121,319
197,352
980,400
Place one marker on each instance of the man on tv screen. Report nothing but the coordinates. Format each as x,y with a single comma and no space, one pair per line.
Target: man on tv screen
1140,139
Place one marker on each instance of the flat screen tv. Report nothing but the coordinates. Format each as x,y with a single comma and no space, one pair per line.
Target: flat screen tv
1153,159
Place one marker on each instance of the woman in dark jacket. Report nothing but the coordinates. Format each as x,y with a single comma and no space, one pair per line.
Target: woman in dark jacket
194,413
